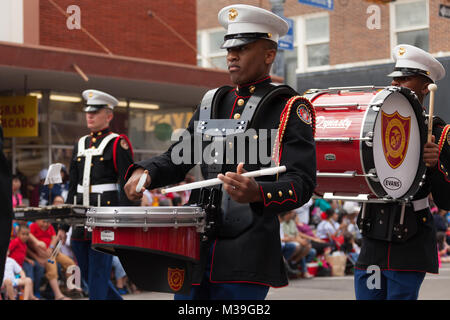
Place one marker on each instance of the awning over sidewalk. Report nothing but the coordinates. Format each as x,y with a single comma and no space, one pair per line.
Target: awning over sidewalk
25,67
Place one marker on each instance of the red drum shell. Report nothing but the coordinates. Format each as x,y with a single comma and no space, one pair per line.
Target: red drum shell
183,242
340,122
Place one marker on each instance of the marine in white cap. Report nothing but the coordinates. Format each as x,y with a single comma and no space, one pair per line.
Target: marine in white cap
404,263
98,164
251,41
415,69
246,24
240,267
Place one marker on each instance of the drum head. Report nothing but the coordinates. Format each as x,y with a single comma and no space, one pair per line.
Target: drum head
397,145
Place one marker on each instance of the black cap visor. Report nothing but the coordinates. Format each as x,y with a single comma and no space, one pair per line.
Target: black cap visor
240,39
232,43
406,72
94,107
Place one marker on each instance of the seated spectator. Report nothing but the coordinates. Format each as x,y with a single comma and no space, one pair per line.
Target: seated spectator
42,231
17,199
317,244
443,247
350,247
303,212
440,220
119,275
330,230
306,253
47,195
10,282
58,200
353,209
288,250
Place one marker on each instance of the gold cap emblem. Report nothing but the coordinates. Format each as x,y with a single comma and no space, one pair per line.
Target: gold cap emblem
401,51
91,94
232,14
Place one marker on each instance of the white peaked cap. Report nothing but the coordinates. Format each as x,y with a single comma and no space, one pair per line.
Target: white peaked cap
96,100
246,24
410,60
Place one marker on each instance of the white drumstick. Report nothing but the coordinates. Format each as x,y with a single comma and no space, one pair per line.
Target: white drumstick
432,88
55,252
141,182
216,181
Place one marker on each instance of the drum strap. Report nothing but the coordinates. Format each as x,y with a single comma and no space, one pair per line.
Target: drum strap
88,154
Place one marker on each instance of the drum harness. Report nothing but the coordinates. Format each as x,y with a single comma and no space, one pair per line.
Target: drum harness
86,188
234,218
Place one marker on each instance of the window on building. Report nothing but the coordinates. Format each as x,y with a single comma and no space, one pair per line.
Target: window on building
317,39
312,42
410,22
210,55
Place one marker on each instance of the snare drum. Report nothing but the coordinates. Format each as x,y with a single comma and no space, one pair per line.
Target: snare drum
369,142
156,245
64,213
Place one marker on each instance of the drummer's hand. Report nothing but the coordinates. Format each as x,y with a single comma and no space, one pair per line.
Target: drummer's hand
241,189
130,186
431,153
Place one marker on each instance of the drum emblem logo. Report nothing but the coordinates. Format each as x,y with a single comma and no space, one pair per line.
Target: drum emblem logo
395,133
175,278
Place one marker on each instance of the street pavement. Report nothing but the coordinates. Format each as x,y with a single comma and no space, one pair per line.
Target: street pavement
434,287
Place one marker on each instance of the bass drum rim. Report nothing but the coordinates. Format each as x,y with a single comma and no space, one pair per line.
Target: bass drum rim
420,116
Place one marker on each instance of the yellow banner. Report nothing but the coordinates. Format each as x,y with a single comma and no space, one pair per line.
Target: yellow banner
19,116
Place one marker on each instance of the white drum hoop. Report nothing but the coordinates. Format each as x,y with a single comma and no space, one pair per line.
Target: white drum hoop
146,217
368,157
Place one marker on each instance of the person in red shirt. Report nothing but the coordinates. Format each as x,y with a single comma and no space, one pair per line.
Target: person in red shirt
43,234
18,246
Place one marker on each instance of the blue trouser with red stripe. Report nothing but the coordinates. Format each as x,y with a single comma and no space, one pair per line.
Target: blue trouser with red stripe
391,285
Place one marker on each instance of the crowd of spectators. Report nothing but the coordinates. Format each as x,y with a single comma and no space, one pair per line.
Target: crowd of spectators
33,271
309,236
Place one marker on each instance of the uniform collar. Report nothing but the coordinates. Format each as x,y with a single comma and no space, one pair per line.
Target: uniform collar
249,88
101,133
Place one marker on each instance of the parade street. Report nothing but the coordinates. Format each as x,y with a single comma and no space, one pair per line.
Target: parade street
434,287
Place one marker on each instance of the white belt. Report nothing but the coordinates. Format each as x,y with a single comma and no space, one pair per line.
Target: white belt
420,204
99,188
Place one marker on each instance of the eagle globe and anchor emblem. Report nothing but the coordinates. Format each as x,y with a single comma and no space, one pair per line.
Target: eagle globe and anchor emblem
395,140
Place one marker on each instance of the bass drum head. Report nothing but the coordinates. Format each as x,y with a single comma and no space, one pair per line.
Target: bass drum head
398,144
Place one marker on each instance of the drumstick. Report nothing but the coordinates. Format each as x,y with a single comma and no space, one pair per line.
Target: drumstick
216,181
55,252
141,182
432,88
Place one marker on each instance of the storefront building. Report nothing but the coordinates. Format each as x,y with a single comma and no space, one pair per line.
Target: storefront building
141,52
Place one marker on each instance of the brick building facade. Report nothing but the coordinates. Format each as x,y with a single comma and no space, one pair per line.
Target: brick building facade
124,27
350,45
143,52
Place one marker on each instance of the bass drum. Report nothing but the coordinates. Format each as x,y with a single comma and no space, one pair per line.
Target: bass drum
369,142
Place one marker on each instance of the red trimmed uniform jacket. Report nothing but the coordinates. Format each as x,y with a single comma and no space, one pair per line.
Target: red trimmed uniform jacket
255,254
109,168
